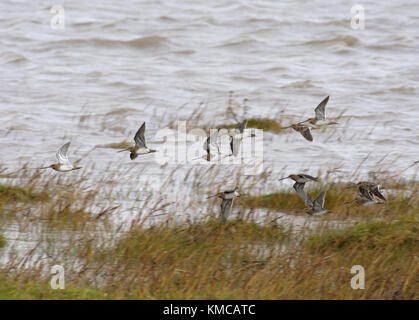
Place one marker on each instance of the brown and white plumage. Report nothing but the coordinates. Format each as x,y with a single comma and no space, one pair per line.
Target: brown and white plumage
140,144
227,203
301,178
319,119
64,164
316,206
303,130
367,193
317,122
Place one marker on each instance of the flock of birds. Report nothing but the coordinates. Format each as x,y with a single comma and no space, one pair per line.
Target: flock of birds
368,193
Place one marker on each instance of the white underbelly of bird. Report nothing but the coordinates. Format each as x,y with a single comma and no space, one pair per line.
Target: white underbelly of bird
64,168
143,151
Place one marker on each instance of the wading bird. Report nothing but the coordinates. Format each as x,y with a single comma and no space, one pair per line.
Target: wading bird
301,178
140,147
316,206
320,117
367,194
227,203
317,122
63,164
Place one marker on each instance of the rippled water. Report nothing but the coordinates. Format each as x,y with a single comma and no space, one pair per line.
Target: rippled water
115,65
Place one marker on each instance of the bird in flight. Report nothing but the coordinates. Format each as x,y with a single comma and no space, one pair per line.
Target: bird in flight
316,206
301,178
227,203
317,122
63,165
319,119
236,137
368,193
140,147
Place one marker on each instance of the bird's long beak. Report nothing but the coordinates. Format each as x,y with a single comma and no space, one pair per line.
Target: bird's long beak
77,168
212,196
43,168
283,178
123,150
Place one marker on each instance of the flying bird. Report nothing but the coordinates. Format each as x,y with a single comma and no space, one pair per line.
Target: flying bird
317,122
211,141
140,147
301,178
367,193
316,206
320,116
227,203
63,165
236,137
303,130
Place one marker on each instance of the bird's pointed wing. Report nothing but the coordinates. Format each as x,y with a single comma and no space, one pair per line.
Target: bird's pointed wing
62,155
305,132
235,145
377,193
307,176
139,137
211,140
320,110
226,205
365,193
319,202
299,188
242,126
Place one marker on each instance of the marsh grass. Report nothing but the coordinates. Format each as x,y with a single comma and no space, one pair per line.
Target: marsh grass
40,291
339,199
200,257
10,194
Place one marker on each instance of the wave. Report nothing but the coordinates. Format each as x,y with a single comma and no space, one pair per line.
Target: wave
347,40
13,58
144,42
300,84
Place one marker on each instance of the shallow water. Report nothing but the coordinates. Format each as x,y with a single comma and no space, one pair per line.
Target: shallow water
114,66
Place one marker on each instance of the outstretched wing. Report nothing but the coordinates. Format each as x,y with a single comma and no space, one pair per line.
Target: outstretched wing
299,188
320,110
365,193
305,132
307,176
235,145
318,204
226,205
61,154
211,140
139,137
377,193
242,126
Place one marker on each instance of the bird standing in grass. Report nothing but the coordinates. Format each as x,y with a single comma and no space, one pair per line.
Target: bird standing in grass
63,165
140,147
